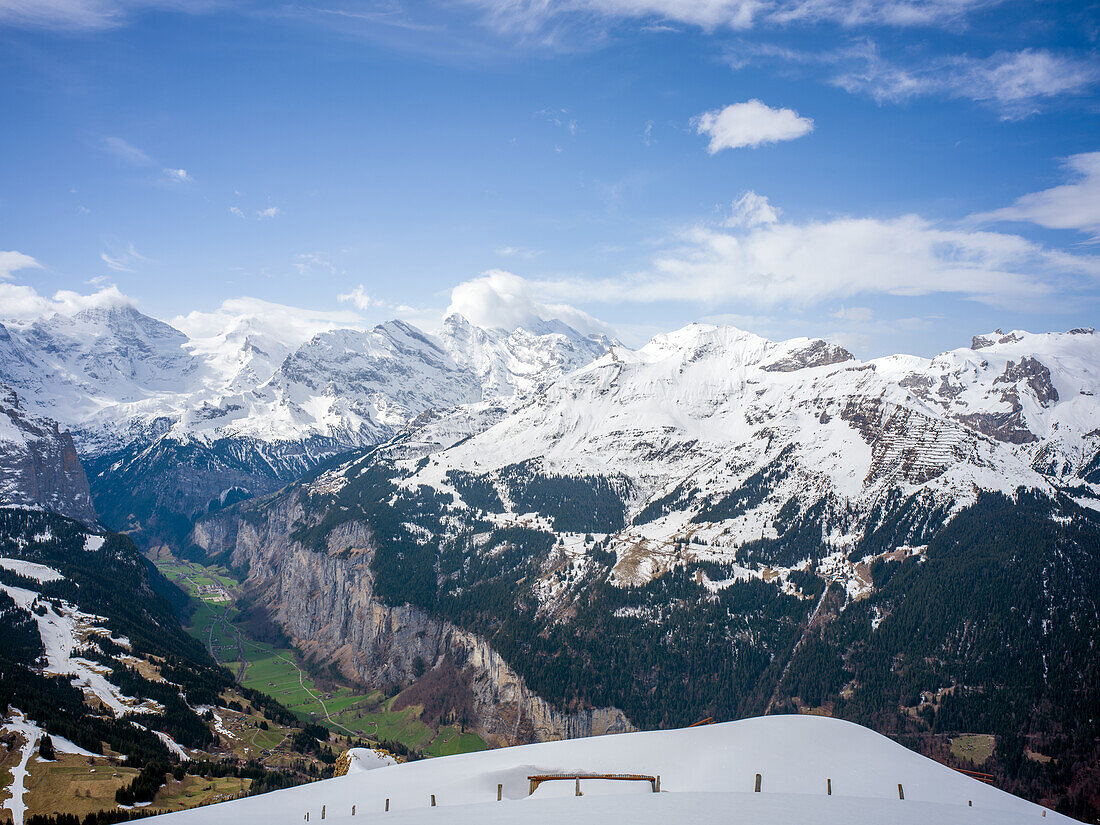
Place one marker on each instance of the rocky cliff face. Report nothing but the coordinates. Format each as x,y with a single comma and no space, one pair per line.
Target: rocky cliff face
325,602
39,466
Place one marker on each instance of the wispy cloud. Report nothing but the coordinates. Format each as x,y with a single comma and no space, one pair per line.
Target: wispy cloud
1015,83
126,151
560,118
270,212
124,261
859,315
360,298
133,156
517,252
178,176
803,264
312,261
86,14
750,124
1074,205
542,18
12,261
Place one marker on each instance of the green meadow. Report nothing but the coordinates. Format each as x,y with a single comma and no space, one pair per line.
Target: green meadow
278,673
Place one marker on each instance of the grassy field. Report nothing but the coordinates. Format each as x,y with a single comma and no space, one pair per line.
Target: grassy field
974,747
83,788
277,672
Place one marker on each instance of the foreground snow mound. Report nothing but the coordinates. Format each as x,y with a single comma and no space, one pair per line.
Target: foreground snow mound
811,770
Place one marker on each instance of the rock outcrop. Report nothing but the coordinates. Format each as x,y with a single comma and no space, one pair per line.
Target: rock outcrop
325,603
39,466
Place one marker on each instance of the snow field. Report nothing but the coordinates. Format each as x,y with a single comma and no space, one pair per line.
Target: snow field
708,774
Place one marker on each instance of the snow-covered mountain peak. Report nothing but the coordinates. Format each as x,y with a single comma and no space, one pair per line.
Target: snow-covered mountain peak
521,360
736,348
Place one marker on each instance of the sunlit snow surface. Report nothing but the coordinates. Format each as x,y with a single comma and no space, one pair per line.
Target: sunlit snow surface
707,774
31,570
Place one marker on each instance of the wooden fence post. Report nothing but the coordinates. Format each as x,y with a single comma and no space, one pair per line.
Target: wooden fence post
387,803
829,787
322,812
758,780
353,810
500,792
577,788
901,792
657,784
433,800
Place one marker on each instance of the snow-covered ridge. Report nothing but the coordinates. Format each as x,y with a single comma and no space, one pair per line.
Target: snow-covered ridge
714,432
115,376
810,769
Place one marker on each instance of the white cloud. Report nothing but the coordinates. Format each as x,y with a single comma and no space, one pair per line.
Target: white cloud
517,252
854,13
360,298
233,210
545,18
270,212
751,210
85,14
531,17
750,124
125,151
178,176
114,263
124,261
309,261
560,118
289,325
1073,205
502,299
12,261
803,264
128,153
1015,83
19,302
859,315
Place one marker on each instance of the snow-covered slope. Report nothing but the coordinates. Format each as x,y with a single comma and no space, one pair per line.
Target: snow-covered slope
811,770
522,360
711,433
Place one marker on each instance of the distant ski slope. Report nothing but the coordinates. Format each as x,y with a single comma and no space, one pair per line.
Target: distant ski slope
708,774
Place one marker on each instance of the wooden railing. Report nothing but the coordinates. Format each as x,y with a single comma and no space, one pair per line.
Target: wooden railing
538,779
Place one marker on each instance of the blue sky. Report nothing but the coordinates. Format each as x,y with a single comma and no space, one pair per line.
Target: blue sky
895,175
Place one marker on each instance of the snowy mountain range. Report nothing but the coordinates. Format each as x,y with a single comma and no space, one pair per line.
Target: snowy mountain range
244,409
712,432
683,422
720,525
115,376
600,537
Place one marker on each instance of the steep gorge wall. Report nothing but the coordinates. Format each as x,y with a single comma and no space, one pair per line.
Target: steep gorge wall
325,602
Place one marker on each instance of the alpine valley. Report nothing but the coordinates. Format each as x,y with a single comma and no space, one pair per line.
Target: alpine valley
536,534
